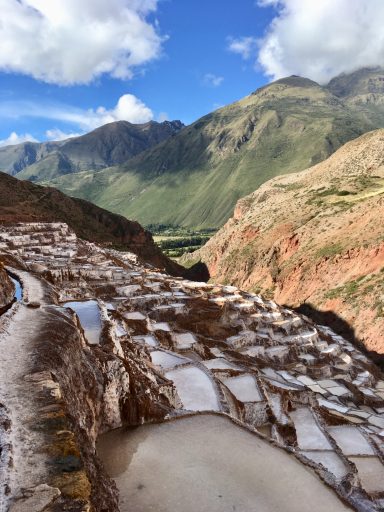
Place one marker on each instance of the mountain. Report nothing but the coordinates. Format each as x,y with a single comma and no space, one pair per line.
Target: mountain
362,90
314,239
195,178
22,201
111,144
360,87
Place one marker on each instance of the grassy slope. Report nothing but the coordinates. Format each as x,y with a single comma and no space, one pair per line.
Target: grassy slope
195,179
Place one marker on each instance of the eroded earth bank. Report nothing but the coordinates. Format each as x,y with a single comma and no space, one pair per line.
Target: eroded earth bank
99,341
314,239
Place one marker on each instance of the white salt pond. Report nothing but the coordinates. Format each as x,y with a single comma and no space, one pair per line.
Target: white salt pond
330,460
371,473
89,315
219,364
195,389
309,434
166,359
350,440
244,388
151,341
208,464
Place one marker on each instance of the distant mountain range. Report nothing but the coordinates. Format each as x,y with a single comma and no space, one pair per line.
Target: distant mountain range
314,239
194,176
111,144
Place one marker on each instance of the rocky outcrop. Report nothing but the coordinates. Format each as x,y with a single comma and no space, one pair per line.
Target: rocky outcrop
100,391
314,239
7,288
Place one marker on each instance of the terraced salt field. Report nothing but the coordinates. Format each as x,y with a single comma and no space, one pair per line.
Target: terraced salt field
303,392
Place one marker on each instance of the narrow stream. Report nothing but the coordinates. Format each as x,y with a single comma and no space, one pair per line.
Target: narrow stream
18,288
206,463
89,315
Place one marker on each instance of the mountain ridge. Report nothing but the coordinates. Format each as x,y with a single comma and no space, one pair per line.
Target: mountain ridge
110,144
194,179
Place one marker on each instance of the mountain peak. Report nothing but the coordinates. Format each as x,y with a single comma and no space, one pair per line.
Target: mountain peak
294,81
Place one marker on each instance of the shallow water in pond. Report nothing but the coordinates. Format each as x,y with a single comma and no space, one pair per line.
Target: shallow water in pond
18,289
206,463
89,315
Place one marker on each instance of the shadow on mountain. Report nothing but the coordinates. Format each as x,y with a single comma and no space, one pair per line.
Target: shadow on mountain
339,326
198,272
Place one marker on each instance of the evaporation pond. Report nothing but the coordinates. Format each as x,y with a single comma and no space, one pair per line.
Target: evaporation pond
206,463
89,315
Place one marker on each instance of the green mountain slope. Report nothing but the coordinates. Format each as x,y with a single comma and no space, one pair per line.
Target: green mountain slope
111,144
195,178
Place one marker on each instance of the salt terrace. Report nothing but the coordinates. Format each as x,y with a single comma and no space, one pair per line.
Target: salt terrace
216,348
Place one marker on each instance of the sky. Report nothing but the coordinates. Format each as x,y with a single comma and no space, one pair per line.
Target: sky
69,66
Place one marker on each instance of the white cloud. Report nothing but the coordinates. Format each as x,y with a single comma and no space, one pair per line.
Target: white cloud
73,41
163,116
57,134
14,138
244,46
322,39
212,80
128,108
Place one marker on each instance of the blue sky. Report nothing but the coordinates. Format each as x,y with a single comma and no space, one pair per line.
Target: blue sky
68,66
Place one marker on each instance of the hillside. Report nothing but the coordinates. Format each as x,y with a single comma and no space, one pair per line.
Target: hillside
111,144
22,201
314,238
362,90
195,178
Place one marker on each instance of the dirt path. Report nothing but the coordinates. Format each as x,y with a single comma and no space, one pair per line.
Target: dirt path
18,331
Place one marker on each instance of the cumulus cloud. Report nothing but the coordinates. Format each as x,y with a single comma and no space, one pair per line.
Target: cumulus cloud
14,138
71,41
244,46
322,39
212,80
128,108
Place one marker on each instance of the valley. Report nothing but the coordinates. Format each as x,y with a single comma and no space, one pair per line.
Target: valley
190,177
174,242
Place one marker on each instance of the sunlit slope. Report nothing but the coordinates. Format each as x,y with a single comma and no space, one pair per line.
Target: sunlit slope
195,178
